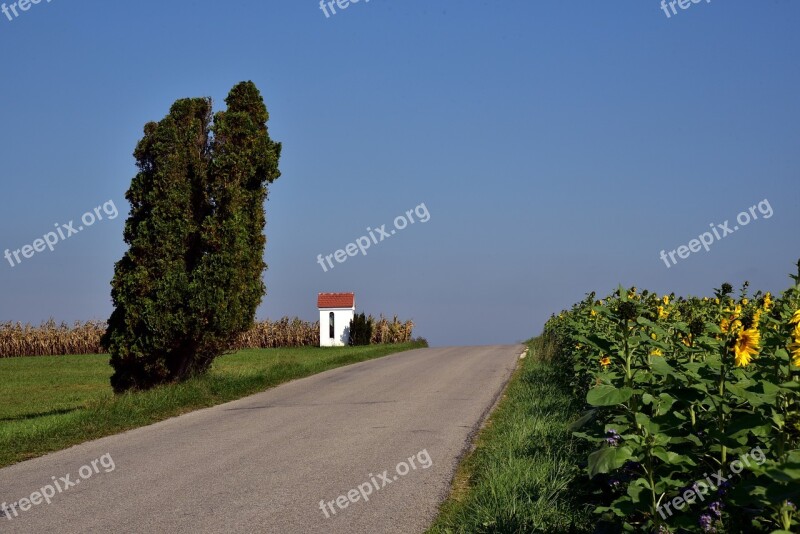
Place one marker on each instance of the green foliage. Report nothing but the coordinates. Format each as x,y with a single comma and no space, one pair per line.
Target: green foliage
360,330
677,389
190,281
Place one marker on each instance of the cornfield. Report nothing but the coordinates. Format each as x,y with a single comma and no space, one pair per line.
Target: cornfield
51,339
384,331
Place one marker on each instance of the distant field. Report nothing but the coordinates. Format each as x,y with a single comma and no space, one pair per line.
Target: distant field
51,338
49,403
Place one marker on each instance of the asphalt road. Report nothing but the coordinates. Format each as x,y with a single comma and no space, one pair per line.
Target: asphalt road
391,430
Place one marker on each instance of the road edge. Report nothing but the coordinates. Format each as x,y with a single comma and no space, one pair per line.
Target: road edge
471,441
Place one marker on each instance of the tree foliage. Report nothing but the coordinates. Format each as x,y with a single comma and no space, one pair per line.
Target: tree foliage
360,330
190,280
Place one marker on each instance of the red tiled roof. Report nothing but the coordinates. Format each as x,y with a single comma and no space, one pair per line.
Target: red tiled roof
336,300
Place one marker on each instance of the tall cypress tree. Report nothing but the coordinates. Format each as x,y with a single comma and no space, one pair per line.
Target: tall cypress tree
190,281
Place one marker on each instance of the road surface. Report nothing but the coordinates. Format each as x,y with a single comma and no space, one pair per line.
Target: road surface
370,447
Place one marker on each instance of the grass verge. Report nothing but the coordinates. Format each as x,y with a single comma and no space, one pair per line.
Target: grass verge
48,403
522,475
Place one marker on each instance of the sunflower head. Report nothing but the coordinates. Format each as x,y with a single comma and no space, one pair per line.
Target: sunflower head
605,361
751,318
767,303
795,318
794,348
656,352
627,310
731,326
746,346
724,325
696,327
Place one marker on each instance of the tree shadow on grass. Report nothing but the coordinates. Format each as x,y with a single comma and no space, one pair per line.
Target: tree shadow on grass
27,416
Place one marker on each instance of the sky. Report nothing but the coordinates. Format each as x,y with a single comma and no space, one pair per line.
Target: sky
556,147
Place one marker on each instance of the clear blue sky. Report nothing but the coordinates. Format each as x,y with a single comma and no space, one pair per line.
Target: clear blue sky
558,146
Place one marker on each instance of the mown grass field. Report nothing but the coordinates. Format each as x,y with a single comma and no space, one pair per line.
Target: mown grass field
522,475
48,403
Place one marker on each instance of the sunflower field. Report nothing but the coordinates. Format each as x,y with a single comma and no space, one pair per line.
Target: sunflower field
692,408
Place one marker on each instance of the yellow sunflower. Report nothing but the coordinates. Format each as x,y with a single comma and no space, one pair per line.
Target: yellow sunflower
727,326
795,318
746,346
724,325
656,352
795,350
662,313
605,361
768,302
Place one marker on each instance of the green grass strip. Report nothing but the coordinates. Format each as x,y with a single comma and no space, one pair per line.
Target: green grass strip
49,403
521,475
